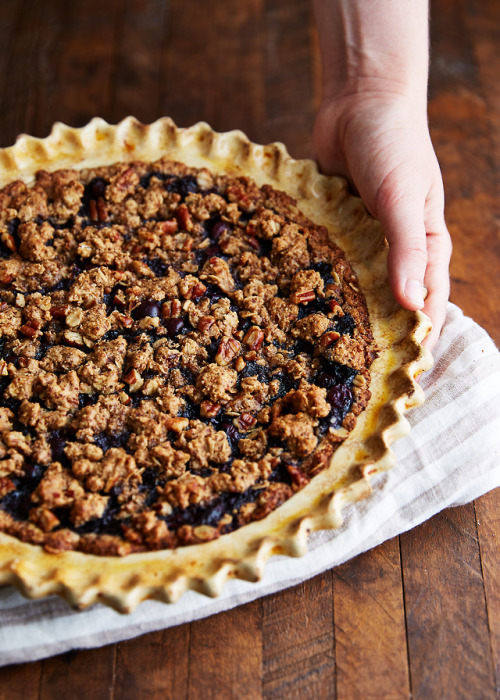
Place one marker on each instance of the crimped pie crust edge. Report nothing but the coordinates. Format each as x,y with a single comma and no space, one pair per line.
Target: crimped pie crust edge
83,579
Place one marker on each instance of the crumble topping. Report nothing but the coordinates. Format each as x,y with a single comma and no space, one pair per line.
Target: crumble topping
179,353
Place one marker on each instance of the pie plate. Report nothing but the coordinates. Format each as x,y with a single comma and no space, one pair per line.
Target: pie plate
122,582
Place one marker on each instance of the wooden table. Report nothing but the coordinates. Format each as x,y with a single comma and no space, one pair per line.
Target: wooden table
419,615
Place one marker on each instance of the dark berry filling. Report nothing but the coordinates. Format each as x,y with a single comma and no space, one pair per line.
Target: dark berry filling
146,321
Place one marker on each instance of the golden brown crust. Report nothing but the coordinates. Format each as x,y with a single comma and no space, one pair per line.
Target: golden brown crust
326,202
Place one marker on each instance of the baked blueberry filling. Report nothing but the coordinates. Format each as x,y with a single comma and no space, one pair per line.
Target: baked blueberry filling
179,366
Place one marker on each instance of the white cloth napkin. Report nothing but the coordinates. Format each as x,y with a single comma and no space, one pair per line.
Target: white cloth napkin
451,456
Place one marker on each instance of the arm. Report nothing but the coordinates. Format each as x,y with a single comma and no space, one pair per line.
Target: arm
372,128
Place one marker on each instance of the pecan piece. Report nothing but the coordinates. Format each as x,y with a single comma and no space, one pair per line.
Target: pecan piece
191,287
126,321
205,323
334,307
331,290
177,424
328,339
228,349
254,338
184,217
117,301
9,242
209,409
59,311
133,379
303,297
246,421
299,480
197,291
168,227
171,309
73,338
124,398
29,330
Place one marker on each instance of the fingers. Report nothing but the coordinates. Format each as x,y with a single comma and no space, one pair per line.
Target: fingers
419,253
437,282
403,222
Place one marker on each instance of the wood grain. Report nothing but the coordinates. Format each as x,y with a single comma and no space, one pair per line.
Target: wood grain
21,681
9,20
232,665
298,642
419,615
141,34
20,78
488,529
88,673
370,635
447,626
153,666
222,83
289,76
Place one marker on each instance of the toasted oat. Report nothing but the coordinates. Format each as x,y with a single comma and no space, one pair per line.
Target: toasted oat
179,351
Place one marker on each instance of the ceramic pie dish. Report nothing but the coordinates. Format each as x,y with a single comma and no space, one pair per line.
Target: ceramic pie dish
195,376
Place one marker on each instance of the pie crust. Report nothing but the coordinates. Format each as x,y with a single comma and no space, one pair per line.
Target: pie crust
82,578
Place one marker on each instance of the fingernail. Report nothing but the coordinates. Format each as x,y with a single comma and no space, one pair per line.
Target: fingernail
414,292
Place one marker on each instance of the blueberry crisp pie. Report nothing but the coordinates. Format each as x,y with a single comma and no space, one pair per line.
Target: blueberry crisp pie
184,350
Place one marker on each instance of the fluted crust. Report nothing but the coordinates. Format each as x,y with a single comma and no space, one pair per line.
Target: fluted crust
122,583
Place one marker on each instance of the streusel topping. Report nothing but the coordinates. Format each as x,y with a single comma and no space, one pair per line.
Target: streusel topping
179,353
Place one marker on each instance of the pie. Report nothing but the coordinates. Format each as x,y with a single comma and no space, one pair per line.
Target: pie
200,359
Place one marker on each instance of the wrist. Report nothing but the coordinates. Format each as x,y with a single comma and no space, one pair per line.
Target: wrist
373,47
374,105
354,89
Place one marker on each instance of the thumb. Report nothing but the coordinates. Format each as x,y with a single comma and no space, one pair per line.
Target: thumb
403,222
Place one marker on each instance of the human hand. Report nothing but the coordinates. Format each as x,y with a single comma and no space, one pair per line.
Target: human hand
381,143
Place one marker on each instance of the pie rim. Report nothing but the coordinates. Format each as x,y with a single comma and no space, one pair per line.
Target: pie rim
122,583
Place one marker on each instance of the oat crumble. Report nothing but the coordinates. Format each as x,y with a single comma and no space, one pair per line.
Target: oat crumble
179,353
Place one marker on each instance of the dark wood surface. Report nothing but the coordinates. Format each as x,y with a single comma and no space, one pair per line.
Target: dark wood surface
418,616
